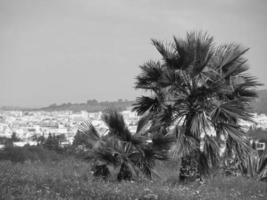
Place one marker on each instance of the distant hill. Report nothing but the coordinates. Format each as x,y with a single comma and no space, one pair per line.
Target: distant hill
260,104
90,106
257,134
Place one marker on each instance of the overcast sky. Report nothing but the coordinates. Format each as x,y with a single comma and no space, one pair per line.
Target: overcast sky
55,51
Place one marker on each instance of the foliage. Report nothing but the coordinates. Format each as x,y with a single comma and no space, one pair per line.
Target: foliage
52,142
9,141
121,154
39,139
256,166
90,106
202,90
81,139
262,167
14,137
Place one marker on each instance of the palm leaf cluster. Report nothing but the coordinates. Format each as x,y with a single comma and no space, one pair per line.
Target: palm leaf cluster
256,166
203,90
261,169
121,154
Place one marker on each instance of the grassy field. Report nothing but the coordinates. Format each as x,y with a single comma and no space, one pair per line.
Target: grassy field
71,179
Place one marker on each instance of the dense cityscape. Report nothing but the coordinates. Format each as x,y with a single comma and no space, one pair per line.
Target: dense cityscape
29,125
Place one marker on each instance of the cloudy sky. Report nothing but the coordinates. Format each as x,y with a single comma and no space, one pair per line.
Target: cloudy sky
55,51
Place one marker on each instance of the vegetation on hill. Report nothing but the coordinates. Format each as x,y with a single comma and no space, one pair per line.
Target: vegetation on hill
90,106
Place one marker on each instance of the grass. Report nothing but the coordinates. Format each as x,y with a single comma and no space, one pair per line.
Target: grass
33,153
71,179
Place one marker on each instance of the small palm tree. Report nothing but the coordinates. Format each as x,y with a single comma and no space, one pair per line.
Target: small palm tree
202,90
256,165
121,153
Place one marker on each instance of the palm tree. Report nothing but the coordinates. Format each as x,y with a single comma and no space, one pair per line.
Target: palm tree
202,90
122,154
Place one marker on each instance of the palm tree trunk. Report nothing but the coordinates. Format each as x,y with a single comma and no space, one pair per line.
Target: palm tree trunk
189,169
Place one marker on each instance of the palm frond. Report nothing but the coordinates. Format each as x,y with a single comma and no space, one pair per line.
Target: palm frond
143,124
167,52
165,116
184,144
118,128
202,47
116,125
86,135
180,48
231,58
211,150
262,167
237,145
87,128
231,110
151,73
144,104
244,88
162,142
107,156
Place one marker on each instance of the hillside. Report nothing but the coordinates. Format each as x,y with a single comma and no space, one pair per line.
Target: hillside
260,105
90,106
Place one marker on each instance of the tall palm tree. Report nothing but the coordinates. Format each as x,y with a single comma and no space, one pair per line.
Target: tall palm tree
123,154
202,90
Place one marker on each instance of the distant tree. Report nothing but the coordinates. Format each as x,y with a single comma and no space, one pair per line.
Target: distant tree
40,140
53,105
61,138
92,102
8,143
14,137
52,143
